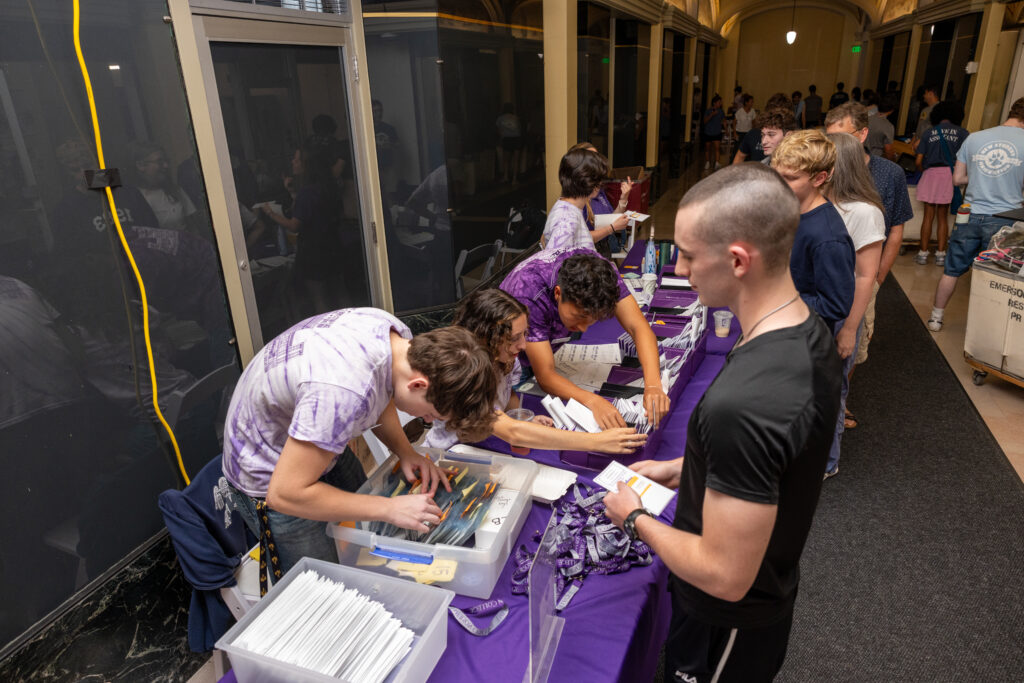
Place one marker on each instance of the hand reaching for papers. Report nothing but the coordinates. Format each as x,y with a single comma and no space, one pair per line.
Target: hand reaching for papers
618,504
543,420
416,466
605,413
665,472
620,223
411,511
656,404
619,440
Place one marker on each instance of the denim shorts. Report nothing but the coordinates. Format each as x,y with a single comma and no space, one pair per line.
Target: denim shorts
969,240
296,537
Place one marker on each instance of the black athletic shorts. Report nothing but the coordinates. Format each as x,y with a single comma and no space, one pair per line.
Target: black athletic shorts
696,652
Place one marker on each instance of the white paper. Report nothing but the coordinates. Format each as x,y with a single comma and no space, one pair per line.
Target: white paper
589,376
637,216
603,219
582,416
593,353
667,281
653,495
551,483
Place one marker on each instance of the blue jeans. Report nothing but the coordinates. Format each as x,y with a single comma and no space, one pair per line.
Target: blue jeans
296,537
967,241
833,453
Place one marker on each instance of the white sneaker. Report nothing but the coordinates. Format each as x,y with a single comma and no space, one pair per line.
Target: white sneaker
940,258
934,324
921,258
707,165
829,475
717,166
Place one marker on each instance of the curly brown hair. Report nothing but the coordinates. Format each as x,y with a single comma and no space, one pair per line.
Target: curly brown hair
489,314
462,383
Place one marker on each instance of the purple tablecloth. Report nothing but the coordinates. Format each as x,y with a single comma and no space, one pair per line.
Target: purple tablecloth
615,624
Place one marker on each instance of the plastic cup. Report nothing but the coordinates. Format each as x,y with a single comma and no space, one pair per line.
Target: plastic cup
523,415
723,323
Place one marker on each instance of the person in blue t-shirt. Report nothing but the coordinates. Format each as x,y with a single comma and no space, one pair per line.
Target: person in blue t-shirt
714,117
936,156
991,164
822,261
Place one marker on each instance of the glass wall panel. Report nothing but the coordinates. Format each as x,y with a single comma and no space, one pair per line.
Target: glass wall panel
946,47
632,69
701,97
890,63
287,125
460,138
403,62
592,65
84,456
672,118
492,79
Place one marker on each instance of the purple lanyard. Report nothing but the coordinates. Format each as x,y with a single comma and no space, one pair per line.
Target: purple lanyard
496,607
584,541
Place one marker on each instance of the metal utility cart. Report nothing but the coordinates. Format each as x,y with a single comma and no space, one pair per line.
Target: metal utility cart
994,343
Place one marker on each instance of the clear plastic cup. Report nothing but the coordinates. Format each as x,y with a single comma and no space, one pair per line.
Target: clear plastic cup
523,415
723,323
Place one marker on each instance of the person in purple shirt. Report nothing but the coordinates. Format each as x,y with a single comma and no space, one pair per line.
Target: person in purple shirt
324,382
600,205
580,172
567,291
499,322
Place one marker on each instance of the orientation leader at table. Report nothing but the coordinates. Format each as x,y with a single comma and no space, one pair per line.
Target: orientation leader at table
756,442
324,382
499,322
566,291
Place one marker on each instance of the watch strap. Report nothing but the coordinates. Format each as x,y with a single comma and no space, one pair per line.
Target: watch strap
629,525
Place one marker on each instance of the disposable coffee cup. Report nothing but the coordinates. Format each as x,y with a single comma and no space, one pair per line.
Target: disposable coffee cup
723,322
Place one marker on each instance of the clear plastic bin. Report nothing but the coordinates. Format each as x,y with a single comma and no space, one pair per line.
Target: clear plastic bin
471,571
422,609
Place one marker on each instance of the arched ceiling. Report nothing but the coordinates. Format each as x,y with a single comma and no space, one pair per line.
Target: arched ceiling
730,11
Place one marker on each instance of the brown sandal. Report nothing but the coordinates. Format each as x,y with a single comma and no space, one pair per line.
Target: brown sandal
849,421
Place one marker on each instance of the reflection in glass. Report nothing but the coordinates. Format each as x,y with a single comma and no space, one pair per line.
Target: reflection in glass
84,456
592,65
946,47
672,119
286,120
461,101
632,66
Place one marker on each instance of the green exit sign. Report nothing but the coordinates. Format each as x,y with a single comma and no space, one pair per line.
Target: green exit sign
855,49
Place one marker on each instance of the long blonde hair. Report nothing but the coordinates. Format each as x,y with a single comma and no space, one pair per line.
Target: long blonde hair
851,181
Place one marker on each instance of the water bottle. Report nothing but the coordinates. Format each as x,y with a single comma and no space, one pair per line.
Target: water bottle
651,255
963,214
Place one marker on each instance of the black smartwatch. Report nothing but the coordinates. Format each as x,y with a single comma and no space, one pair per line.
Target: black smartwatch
629,525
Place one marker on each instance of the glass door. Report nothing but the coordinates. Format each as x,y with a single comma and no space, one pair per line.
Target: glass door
291,168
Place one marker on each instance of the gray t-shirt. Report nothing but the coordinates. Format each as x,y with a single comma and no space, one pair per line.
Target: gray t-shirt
880,133
995,169
924,122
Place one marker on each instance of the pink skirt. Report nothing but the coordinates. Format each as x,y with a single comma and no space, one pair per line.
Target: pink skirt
936,185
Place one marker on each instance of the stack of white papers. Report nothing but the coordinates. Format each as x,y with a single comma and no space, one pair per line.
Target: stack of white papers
318,624
653,495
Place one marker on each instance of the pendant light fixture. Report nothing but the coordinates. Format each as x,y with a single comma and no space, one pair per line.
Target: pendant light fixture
791,33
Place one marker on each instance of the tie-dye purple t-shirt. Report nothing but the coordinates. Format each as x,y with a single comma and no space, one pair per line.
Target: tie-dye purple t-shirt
440,436
533,282
566,229
325,380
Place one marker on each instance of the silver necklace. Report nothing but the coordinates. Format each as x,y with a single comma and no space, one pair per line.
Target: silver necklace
764,317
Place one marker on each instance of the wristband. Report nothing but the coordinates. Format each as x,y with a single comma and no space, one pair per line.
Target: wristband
629,525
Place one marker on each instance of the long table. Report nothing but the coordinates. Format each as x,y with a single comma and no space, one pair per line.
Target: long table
616,623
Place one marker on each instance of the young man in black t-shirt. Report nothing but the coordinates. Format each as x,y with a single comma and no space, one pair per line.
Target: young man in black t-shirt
756,443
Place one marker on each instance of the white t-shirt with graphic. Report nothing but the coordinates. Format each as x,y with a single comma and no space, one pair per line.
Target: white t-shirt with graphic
995,169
